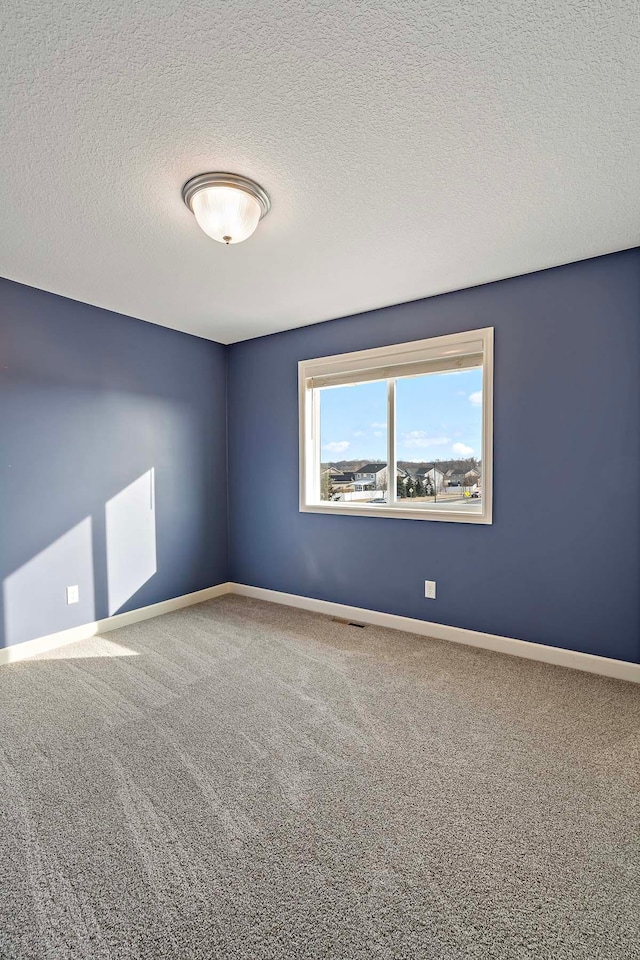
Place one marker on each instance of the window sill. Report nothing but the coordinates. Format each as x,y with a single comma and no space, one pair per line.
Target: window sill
397,513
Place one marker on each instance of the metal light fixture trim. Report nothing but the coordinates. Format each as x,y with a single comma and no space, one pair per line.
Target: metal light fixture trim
233,181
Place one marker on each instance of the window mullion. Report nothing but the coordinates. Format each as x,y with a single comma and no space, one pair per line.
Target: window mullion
315,446
391,442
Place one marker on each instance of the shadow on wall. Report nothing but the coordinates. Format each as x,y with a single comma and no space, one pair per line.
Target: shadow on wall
36,592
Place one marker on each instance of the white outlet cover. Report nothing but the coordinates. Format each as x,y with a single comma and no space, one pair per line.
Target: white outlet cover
430,589
73,594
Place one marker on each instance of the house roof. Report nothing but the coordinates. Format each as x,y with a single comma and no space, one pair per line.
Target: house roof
342,478
371,468
423,471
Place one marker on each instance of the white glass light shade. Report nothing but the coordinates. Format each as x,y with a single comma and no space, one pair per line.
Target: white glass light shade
226,214
226,206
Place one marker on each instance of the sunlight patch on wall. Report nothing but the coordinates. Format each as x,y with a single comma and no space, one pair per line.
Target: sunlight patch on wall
130,519
34,595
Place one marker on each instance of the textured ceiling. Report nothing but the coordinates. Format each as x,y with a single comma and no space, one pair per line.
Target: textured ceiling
409,148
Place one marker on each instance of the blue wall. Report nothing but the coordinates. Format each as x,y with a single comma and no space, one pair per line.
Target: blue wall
560,564
90,401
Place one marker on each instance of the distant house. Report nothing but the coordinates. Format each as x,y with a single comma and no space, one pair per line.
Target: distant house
371,476
433,477
409,478
463,481
342,479
455,479
472,476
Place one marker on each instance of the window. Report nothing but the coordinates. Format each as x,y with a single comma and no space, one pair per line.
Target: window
400,431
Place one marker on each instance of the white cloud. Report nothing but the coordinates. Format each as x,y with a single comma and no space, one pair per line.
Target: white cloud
337,446
378,433
358,433
418,438
379,426
462,450
476,398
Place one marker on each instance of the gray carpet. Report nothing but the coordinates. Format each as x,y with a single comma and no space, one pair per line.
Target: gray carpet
243,780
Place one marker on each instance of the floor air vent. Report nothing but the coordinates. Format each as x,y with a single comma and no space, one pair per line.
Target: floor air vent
348,623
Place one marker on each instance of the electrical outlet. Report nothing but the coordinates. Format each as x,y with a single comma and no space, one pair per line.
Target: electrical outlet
73,594
430,589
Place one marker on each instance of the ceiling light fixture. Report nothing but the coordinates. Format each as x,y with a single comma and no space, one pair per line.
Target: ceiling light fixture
227,207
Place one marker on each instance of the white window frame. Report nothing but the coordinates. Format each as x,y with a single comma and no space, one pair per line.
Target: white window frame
448,352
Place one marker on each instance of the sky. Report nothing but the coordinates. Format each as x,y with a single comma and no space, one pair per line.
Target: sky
438,417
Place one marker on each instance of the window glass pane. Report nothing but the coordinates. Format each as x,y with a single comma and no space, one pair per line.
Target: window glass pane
353,443
439,441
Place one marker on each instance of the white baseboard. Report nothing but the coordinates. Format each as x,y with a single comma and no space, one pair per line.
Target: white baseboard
605,666
620,669
23,651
